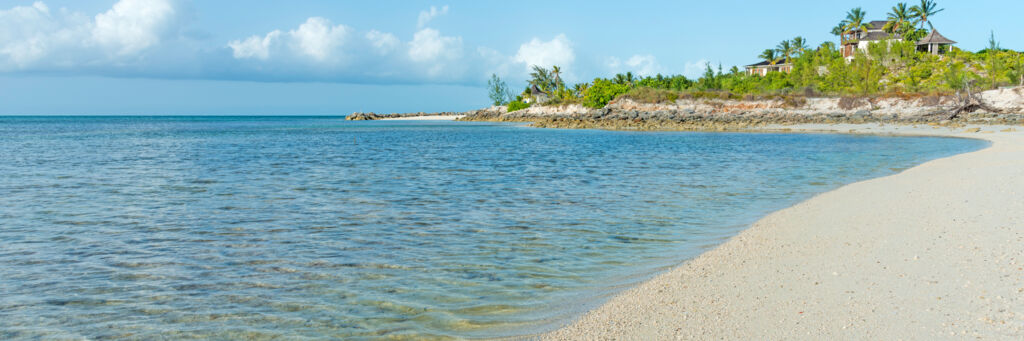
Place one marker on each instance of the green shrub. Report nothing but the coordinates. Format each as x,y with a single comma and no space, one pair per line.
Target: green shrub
517,105
602,92
651,95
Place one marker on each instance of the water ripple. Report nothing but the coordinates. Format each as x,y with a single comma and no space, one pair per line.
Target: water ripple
270,228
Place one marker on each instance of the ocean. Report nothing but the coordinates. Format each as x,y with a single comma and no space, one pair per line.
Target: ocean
317,227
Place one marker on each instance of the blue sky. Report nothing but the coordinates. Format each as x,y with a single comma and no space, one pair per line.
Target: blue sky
333,57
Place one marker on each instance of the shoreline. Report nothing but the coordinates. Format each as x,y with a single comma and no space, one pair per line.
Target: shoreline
882,258
426,118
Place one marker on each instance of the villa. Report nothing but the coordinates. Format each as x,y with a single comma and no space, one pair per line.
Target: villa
763,68
859,39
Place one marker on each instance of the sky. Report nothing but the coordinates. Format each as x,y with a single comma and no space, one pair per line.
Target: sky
327,57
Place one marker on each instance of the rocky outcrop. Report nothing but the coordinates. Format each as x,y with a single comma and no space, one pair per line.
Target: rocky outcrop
370,116
716,114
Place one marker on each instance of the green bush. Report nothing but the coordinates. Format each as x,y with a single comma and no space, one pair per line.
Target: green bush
602,92
651,95
517,105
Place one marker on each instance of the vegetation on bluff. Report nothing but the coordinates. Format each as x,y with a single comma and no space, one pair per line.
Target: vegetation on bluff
887,68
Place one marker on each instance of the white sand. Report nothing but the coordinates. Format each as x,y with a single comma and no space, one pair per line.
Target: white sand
934,252
426,118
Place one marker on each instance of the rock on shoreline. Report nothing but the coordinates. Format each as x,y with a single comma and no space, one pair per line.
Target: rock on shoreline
371,116
723,115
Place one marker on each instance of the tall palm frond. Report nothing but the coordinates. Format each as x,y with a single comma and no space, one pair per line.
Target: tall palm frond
925,11
900,19
769,56
855,20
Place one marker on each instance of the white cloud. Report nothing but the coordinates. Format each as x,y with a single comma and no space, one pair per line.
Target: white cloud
695,69
644,65
320,50
316,38
255,46
641,65
35,37
134,25
427,15
428,45
557,51
383,43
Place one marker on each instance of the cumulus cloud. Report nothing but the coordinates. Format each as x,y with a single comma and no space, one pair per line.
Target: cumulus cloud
557,51
428,45
321,50
642,65
383,43
695,69
254,46
134,25
36,37
427,15
316,38
151,38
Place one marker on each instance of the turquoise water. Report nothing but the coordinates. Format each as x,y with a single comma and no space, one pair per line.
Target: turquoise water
263,227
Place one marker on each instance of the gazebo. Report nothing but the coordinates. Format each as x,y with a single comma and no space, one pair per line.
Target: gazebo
935,43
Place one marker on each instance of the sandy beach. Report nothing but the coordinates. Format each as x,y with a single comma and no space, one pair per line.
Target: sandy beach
934,252
426,118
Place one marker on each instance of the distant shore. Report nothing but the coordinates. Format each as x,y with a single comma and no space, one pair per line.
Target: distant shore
426,118
933,252
418,116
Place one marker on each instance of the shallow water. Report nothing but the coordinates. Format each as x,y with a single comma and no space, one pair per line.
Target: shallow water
262,227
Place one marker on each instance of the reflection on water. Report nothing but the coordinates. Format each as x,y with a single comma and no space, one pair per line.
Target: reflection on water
256,228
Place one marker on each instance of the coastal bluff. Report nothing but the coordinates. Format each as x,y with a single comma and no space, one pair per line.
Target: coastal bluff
1001,107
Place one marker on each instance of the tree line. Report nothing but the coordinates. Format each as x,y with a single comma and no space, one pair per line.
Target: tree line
886,68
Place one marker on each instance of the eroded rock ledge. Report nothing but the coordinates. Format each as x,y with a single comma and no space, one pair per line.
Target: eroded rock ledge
370,116
722,115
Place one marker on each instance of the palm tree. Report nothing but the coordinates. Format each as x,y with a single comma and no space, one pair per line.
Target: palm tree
556,72
924,11
580,89
799,45
619,79
541,77
899,19
855,20
785,50
769,56
840,28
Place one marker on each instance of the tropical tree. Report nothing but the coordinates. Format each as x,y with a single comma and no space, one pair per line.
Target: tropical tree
993,45
546,80
900,20
624,79
785,50
840,28
556,73
769,56
799,45
498,91
925,11
855,20
580,89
